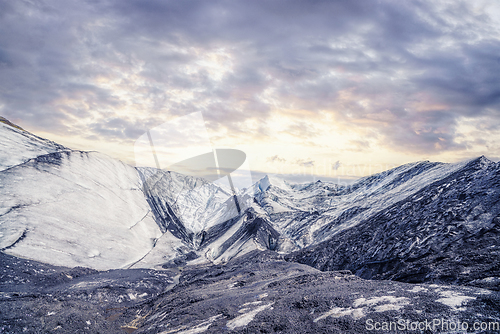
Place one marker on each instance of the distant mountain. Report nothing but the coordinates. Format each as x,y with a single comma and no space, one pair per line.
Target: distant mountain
246,262
288,217
413,223
447,232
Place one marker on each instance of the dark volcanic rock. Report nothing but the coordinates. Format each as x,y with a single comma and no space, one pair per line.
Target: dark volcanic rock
449,232
256,293
39,298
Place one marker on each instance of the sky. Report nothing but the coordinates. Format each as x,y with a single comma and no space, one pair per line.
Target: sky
307,89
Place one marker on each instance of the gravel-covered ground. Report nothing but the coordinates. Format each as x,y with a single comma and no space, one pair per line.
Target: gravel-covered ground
257,293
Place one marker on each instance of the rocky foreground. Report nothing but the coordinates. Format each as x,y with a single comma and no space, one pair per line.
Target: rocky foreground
256,293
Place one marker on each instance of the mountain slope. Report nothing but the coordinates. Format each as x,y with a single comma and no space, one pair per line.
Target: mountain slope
7,122
76,209
18,146
204,216
410,223
311,213
447,232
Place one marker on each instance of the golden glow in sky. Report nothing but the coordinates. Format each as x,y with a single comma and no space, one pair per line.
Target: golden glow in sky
324,90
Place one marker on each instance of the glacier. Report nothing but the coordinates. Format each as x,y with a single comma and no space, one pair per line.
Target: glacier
75,208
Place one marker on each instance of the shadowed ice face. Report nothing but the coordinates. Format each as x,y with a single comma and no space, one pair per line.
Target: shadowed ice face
183,146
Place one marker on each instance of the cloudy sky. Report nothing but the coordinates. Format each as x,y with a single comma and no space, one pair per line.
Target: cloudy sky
324,88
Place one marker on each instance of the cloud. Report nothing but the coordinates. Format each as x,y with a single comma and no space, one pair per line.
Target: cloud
305,162
276,158
358,145
336,165
301,130
404,71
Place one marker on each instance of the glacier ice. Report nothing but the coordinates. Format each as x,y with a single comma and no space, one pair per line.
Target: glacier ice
75,208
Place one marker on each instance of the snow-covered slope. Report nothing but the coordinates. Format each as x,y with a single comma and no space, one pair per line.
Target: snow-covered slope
192,204
76,209
447,232
311,213
299,216
83,208
277,215
200,213
18,146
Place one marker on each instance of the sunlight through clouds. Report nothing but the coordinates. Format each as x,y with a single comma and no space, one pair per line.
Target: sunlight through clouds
358,82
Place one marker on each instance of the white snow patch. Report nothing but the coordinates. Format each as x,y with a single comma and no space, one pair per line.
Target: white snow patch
252,303
400,301
389,303
389,307
196,329
454,299
337,312
483,292
89,284
245,319
417,288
